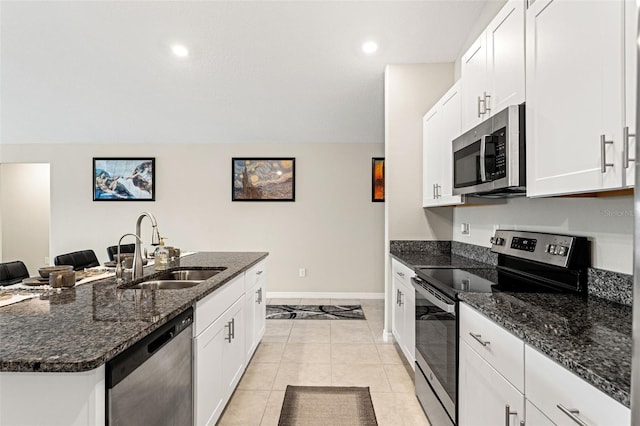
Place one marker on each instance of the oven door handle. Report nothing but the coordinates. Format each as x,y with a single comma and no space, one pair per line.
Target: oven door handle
431,296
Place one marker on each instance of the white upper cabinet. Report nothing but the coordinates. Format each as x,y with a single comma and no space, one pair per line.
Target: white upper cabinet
575,96
630,67
493,69
440,126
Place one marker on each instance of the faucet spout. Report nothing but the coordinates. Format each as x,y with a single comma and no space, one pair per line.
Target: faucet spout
155,240
119,267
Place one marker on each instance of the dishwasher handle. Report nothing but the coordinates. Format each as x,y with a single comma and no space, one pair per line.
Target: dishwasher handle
161,340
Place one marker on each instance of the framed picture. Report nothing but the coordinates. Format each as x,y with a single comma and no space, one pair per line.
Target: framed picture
263,179
377,179
124,179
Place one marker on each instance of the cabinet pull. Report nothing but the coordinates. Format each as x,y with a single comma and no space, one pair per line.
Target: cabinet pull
260,290
625,147
398,297
478,337
401,274
603,154
572,413
486,103
479,102
258,296
228,337
507,414
259,272
400,301
233,328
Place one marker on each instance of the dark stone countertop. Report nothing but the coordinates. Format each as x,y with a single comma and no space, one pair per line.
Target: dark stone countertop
590,337
416,259
81,328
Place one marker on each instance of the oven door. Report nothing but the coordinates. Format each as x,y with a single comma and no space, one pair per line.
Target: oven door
436,353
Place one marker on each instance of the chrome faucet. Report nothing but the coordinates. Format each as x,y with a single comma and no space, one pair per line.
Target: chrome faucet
155,240
119,267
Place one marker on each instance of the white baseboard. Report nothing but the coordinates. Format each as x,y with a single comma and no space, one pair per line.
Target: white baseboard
321,295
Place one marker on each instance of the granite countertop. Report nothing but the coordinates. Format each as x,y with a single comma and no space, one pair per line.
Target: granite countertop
81,328
422,259
591,337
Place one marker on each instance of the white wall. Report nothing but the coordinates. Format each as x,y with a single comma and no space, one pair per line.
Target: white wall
24,203
332,229
607,221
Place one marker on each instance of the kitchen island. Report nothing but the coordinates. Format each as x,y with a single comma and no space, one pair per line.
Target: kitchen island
53,348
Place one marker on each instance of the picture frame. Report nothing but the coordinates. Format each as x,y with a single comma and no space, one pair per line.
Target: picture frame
124,179
377,179
263,179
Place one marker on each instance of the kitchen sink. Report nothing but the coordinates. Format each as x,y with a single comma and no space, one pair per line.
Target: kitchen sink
176,280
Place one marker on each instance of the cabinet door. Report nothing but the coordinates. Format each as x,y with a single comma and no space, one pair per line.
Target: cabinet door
255,319
574,96
484,395
505,57
450,110
409,341
630,69
431,161
397,312
536,417
209,388
473,70
233,355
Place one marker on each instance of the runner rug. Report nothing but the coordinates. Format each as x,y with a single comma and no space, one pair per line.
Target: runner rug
315,312
327,405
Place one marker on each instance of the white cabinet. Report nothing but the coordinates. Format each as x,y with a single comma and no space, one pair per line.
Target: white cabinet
493,68
404,310
255,307
630,76
575,96
560,394
219,358
485,396
440,126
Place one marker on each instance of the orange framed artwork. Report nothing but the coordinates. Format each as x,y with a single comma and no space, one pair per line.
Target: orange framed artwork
377,179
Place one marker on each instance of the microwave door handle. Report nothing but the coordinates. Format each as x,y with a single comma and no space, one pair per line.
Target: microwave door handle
483,152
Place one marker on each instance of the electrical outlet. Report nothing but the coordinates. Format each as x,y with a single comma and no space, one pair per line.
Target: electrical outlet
465,229
302,272
46,260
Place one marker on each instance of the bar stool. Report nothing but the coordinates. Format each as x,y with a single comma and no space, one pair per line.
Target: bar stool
78,259
13,272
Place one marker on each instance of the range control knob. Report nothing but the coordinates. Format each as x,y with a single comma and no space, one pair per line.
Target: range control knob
562,250
499,241
551,249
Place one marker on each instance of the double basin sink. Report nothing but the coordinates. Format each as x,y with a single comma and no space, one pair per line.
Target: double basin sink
176,280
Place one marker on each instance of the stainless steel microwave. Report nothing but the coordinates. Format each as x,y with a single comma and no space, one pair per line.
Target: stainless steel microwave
489,160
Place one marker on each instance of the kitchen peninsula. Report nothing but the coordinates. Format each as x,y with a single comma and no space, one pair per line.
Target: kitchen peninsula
54,350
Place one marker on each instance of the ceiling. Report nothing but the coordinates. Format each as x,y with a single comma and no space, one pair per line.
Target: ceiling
257,71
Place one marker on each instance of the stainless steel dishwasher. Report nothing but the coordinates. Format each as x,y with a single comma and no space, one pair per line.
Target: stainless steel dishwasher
151,383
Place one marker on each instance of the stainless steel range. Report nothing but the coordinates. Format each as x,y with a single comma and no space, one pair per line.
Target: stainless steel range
527,262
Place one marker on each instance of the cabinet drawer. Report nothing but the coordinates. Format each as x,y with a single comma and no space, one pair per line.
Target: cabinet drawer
402,273
212,306
501,349
255,275
550,385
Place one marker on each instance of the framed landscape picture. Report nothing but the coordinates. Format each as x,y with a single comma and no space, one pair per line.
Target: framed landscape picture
377,179
124,179
263,179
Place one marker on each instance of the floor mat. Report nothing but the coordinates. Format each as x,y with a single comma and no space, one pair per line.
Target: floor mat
315,312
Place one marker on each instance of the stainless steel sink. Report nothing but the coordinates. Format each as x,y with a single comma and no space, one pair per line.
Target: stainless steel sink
176,280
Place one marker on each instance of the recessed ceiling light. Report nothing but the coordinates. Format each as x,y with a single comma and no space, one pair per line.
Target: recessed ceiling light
369,47
180,51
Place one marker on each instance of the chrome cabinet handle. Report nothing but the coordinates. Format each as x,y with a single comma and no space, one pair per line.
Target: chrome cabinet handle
401,298
486,103
479,102
507,414
259,272
478,337
603,154
228,337
572,413
233,328
401,274
398,297
625,147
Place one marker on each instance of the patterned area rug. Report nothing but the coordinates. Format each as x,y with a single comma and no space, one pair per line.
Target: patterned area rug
315,312
327,405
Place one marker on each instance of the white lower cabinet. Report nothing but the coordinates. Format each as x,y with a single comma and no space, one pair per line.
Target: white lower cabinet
255,307
485,397
404,310
493,368
565,398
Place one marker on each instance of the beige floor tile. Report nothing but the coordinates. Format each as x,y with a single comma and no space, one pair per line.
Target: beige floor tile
278,327
271,415
302,375
311,331
315,301
354,353
371,375
345,301
410,409
245,408
350,332
399,378
389,354
385,406
284,301
269,352
319,353
372,302
259,376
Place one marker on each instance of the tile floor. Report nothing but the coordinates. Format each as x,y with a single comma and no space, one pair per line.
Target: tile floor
325,353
